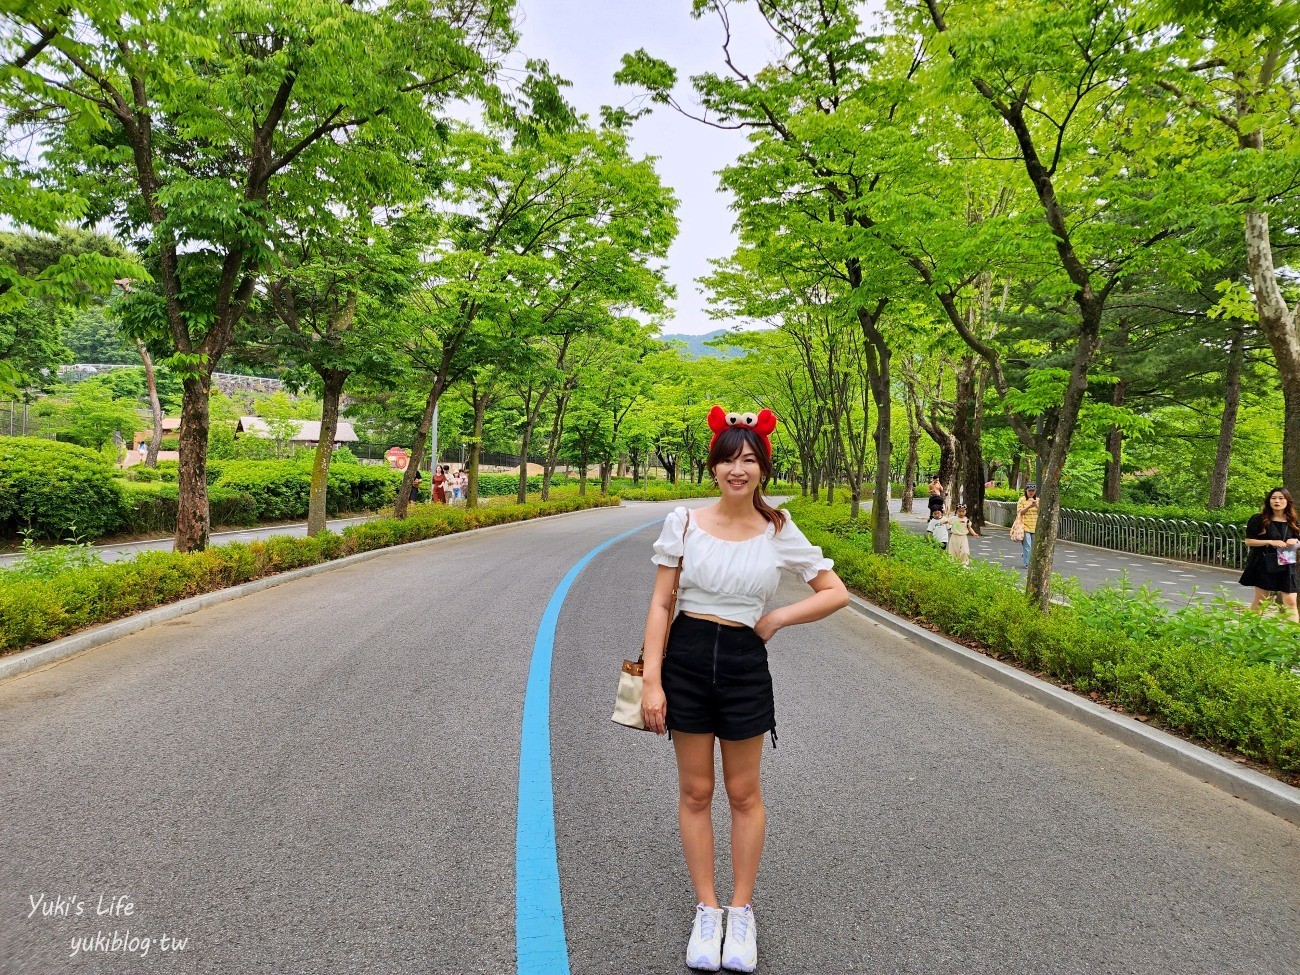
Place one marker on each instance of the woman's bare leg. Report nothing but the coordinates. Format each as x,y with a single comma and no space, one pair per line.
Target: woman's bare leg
695,811
740,767
1257,604
1289,606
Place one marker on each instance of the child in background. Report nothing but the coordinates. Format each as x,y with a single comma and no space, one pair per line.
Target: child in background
959,545
938,527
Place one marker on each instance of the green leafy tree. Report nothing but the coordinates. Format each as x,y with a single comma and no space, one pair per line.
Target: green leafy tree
328,312
1232,67
196,127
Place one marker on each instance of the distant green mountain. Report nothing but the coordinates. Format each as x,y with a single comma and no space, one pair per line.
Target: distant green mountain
696,349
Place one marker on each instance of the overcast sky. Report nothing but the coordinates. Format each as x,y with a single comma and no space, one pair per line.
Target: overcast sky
584,41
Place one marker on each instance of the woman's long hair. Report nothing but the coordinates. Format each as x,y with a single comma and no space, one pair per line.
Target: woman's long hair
728,446
1267,514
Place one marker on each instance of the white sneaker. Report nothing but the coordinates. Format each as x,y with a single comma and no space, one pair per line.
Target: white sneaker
740,952
705,949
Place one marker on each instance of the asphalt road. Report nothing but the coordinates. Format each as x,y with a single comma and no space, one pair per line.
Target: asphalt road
322,778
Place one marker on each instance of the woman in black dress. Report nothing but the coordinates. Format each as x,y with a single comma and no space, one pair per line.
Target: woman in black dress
1273,537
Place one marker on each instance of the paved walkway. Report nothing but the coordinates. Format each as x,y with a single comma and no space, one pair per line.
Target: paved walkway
323,777
1179,582
116,551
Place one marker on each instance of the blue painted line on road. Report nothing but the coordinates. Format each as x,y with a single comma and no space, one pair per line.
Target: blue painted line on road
540,945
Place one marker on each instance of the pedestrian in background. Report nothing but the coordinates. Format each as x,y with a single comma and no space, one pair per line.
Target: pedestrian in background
440,484
936,495
1027,516
938,527
1273,537
959,544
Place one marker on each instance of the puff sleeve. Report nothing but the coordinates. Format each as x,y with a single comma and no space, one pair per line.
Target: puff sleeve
668,546
796,554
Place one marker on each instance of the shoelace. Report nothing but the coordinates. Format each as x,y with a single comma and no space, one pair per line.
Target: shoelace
708,924
738,917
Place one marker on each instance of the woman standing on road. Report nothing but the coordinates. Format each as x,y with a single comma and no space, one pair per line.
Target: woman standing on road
1273,536
1027,515
713,680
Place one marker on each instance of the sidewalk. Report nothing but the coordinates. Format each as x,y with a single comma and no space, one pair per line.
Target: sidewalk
1179,582
116,551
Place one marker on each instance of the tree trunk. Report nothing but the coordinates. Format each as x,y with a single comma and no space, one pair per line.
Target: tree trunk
521,495
879,358
1038,584
913,461
475,449
832,472
1115,449
193,526
606,471
963,430
333,380
553,446
1115,437
155,407
1280,328
973,482
417,451
1228,423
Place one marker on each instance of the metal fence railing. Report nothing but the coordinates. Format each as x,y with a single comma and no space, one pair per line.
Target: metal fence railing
20,420
1202,542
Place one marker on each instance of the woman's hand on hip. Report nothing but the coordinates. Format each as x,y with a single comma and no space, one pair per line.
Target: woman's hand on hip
654,708
767,627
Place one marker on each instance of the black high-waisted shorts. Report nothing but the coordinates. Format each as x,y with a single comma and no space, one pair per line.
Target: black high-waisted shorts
716,681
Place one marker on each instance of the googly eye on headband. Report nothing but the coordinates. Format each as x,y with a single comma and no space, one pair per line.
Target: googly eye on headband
762,423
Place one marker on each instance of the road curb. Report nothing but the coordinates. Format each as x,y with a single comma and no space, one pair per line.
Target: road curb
1259,790
57,651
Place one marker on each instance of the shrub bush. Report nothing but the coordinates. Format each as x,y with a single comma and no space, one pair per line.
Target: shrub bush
56,490
166,470
1217,674
501,485
35,610
152,508
281,489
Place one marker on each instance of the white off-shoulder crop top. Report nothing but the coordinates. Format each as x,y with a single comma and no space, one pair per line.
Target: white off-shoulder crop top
734,580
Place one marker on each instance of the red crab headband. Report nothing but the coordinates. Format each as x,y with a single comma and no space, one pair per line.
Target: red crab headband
762,423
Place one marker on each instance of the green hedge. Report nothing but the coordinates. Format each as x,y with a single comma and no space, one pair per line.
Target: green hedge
247,492
152,508
166,470
1202,677
38,610
56,490
503,485
281,489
